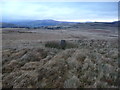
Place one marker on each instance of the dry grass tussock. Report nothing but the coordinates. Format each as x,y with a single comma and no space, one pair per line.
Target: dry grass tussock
82,64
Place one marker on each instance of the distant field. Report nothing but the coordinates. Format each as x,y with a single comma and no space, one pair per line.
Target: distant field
18,35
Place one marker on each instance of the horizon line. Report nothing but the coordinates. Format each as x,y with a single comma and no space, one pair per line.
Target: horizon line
83,21
90,20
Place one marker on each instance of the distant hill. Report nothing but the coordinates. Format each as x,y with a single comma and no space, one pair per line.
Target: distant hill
39,23
48,22
7,25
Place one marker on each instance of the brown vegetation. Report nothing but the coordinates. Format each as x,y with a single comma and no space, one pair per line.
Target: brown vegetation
93,63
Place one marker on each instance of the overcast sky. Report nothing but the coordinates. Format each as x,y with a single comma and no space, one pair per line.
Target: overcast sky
62,11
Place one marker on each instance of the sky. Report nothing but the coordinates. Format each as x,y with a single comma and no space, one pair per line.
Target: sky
61,11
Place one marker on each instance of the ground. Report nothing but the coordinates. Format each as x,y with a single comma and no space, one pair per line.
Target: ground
89,60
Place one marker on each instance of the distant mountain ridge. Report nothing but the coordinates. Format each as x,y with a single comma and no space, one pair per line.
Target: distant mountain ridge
49,22
39,23
8,25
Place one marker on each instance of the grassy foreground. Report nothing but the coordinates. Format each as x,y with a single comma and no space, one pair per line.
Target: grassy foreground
82,64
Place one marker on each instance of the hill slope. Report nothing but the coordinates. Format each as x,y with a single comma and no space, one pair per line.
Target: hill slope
45,23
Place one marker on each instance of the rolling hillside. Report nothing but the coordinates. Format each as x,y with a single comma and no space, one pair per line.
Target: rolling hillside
45,23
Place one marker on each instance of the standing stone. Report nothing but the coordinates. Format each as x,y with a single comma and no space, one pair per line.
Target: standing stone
63,44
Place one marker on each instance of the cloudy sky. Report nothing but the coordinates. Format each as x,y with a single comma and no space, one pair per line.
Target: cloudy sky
62,11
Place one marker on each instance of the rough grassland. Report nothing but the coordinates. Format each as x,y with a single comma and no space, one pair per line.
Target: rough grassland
84,63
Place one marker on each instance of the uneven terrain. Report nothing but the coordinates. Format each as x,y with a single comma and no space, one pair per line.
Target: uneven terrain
89,60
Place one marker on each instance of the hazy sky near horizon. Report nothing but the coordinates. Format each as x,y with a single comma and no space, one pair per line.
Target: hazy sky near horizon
62,11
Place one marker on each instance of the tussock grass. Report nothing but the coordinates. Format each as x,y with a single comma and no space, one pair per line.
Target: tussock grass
56,44
52,44
94,64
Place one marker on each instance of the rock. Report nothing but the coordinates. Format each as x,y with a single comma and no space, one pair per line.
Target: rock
63,44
